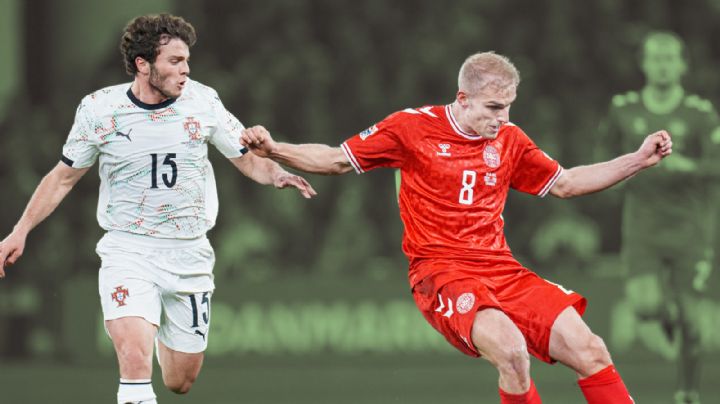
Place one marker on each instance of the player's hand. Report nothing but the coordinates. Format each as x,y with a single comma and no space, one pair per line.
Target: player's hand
654,148
258,140
10,250
286,179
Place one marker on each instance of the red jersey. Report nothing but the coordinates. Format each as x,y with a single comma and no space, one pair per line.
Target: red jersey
454,184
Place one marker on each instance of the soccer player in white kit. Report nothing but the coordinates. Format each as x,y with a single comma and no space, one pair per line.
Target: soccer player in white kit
157,200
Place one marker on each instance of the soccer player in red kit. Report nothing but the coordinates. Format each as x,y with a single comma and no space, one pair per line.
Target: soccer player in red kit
457,164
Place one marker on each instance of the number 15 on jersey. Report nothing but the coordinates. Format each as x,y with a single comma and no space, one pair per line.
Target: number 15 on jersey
169,181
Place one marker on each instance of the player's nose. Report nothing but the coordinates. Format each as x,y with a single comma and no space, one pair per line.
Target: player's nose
504,115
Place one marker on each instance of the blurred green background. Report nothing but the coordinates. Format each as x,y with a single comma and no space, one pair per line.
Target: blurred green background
312,304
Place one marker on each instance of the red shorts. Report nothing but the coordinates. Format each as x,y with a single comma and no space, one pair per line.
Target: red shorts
456,290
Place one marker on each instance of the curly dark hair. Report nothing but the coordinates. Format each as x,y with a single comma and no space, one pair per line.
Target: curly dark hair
144,35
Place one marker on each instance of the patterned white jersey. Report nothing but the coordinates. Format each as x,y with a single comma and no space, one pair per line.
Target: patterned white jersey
156,179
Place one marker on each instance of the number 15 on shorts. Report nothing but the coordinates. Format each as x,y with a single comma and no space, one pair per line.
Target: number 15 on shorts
200,303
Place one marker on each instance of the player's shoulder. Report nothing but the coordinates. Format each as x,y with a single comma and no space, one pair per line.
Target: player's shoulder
196,89
625,99
514,136
410,120
695,102
509,129
103,97
418,114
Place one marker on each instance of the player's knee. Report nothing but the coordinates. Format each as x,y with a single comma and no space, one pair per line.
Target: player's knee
179,385
514,363
595,355
134,359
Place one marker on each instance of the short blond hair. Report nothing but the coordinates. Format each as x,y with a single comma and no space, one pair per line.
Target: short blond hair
487,68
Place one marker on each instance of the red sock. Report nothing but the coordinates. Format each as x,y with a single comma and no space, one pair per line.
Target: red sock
529,397
605,387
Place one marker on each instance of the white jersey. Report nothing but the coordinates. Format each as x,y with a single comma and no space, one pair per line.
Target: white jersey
156,179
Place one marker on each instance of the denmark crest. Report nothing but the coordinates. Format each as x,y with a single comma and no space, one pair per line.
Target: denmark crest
465,303
192,127
491,156
120,294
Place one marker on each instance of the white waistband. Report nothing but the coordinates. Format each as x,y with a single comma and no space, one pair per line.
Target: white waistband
141,240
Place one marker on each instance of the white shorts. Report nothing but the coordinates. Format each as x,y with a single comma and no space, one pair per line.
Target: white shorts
167,282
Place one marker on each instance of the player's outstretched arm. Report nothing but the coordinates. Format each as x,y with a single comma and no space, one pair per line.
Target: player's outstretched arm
583,180
48,195
310,158
268,172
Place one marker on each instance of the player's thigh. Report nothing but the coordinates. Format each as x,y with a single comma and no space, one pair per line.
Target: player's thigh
179,367
133,339
131,308
183,336
132,333
185,324
186,298
496,337
534,304
128,292
574,344
450,305
127,283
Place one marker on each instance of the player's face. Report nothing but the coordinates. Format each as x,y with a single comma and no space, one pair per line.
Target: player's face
489,109
663,63
170,71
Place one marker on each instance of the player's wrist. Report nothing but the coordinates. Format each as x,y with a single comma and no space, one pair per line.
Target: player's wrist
22,229
274,150
639,161
278,175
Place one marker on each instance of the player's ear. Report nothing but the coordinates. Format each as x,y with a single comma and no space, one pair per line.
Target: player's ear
462,98
142,65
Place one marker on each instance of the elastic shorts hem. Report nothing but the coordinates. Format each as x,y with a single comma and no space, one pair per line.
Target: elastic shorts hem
181,350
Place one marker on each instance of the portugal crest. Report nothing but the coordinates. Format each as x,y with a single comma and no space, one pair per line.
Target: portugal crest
192,127
119,295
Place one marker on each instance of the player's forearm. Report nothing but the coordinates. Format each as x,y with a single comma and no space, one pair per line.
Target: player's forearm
587,179
312,158
47,196
265,171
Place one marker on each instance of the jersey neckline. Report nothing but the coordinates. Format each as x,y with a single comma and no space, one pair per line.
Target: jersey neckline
456,126
143,105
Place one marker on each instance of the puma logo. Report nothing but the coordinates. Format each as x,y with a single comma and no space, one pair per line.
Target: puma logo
200,334
125,135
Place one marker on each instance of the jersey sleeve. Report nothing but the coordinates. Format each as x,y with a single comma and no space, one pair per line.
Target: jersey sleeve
535,172
81,148
226,135
378,146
